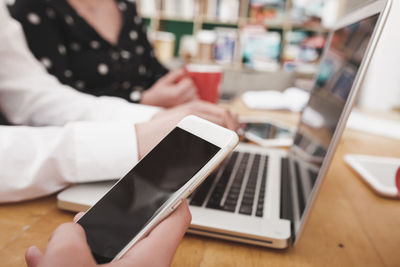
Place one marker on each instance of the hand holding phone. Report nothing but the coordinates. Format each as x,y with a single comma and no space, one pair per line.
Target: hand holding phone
155,187
68,246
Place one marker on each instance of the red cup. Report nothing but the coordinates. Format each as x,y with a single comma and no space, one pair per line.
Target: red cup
207,79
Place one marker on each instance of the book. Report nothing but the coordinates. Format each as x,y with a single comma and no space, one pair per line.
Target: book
225,45
260,48
223,10
148,8
181,9
267,10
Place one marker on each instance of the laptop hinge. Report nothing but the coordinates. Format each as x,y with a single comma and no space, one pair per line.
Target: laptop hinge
286,196
3,120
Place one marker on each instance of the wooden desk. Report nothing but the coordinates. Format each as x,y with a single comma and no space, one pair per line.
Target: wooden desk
349,226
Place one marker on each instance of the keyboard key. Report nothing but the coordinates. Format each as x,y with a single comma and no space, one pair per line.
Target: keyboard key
249,193
246,209
201,192
234,191
216,196
300,189
261,196
286,194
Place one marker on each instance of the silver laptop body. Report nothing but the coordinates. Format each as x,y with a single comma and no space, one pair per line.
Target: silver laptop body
264,196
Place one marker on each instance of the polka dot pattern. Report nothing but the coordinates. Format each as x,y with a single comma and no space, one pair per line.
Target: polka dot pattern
75,46
139,50
80,85
135,96
133,35
81,58
115,56
95,44
68,73
69,20
125,54
142,70
126,85
33,18
46,62
137,20
10,2
62,49
102,69
50,13
122,6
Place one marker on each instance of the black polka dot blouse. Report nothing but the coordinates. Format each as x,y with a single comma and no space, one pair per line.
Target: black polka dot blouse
78,56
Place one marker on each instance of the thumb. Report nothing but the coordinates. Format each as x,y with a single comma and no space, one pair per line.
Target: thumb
173,76
33,255
78,216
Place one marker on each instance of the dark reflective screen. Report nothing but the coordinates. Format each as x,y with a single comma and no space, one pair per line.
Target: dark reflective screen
320,118
116,219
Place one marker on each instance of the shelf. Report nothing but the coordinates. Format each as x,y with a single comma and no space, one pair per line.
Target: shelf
311,28
271,24
217,21
178,19
283,23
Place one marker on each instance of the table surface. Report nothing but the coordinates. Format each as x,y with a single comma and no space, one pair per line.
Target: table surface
349,225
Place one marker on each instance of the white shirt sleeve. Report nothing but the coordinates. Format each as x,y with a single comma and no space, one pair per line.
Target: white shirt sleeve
39,161
95,138
29,96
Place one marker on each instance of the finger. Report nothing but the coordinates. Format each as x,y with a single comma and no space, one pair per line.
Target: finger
184,91
78,216
69,231
164,239
232,120
68,243
189,95
229,120
186,84
173,227
33,255
65,235
212,118
173,76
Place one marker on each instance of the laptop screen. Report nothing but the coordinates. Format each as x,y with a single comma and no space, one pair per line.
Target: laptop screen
320,118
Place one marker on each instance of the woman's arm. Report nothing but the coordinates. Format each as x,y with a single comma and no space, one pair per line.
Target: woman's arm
30,96
40,24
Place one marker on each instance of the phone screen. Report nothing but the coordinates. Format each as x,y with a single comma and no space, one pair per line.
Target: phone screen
120,215
267,130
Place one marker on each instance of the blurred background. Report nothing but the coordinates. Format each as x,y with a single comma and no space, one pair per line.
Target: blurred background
274,43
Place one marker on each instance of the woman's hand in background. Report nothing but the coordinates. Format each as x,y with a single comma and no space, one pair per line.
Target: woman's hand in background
173,89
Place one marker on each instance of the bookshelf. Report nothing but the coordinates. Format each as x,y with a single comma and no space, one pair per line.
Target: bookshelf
279,17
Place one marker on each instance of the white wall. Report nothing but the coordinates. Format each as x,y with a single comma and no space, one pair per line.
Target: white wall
381,90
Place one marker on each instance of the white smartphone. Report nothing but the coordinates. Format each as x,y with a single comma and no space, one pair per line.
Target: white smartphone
267,133
155,187
380,173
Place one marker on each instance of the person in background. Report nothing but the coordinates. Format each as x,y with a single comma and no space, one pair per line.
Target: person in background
58,136
100,48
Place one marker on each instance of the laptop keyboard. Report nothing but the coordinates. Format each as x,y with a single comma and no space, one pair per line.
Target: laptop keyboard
238,186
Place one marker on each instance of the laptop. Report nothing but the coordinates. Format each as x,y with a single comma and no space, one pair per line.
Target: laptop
264,196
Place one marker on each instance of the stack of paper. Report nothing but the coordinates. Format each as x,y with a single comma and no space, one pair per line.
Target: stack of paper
374,125
292,99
